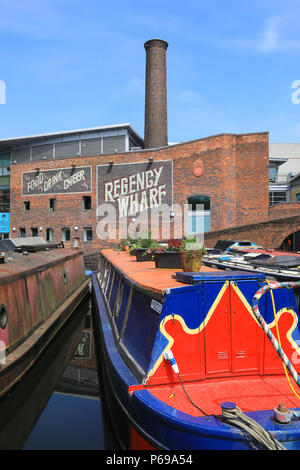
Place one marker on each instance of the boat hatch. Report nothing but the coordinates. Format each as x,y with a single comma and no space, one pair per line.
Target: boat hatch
195,278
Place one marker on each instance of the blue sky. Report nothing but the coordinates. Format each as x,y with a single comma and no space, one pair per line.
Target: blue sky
70,64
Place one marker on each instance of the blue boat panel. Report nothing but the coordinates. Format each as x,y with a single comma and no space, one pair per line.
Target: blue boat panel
195,278
185,303
120,375
114,291
120,314
141,327
110,280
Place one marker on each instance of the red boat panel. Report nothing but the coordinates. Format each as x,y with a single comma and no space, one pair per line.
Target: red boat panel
245,354
221,347
217,344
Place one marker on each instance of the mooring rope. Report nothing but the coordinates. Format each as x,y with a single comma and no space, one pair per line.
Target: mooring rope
237,418
263,324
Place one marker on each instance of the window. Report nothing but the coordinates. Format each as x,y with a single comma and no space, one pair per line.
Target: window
4,164
34,232
23,232
88,234
298,197
198,214
66,237
86,203
26,205
276,196
52,205
49,235
273,170
4,198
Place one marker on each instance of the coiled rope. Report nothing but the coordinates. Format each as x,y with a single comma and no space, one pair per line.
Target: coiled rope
237,418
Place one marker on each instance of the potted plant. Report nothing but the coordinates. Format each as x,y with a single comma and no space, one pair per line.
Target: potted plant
141,247
191,254
167,256
125,245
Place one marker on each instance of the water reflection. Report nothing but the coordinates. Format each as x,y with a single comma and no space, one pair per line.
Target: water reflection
58,403
69,422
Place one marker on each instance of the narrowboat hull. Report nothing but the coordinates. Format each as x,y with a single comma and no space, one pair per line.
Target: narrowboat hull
21,408
147,403
38,294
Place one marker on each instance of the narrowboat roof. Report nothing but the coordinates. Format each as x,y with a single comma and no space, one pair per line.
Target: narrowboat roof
160,280
22,264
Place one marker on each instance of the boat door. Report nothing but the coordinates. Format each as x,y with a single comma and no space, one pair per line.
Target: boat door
231,334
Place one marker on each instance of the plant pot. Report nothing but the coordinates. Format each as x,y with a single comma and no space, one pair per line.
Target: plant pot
168,260
125,248
191,261
142,255
132,252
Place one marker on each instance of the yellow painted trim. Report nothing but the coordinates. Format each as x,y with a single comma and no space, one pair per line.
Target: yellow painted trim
185,328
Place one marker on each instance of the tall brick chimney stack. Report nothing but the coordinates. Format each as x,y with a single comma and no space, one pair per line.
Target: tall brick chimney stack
156,126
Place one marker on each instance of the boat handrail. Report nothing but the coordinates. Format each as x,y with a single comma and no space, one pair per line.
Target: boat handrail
263,324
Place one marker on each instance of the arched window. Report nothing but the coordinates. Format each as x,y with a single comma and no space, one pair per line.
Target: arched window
198,214
65,234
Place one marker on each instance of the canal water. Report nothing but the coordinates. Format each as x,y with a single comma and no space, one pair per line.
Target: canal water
58,405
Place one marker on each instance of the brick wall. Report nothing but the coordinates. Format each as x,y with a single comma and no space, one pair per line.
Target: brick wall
269,234
284,209
235,176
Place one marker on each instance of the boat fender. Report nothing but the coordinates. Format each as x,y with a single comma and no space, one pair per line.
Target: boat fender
168,355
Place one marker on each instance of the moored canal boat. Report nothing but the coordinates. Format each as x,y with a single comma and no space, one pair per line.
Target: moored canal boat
38,293
275,264
186,363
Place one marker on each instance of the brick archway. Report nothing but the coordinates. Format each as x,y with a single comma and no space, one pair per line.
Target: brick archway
268,234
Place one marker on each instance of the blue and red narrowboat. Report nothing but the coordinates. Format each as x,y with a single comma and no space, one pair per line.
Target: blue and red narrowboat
197,361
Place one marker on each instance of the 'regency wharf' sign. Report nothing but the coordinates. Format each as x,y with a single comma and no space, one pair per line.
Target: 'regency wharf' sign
58,181
135,187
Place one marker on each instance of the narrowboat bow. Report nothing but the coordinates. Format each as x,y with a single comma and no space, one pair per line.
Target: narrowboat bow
188,364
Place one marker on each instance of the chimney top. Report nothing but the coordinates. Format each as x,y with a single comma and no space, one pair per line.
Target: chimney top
157,43
156,131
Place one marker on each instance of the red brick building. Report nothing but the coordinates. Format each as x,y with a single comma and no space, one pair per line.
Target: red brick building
47,199
59,181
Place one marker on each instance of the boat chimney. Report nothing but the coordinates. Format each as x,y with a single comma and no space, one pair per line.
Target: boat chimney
156,130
